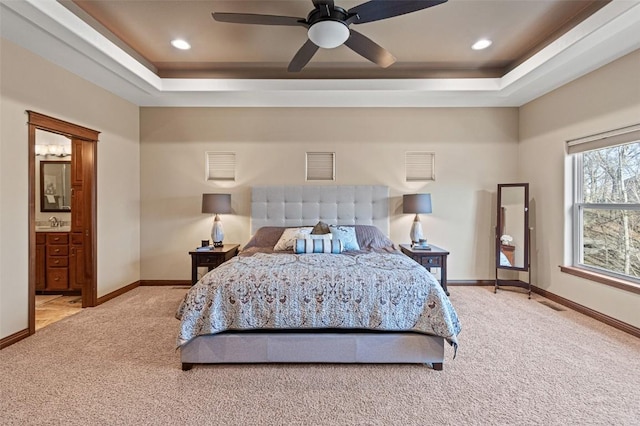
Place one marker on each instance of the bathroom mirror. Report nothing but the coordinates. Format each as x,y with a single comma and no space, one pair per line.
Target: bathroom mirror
55,186
512,227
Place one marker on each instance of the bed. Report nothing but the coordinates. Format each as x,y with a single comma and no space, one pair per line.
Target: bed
366,305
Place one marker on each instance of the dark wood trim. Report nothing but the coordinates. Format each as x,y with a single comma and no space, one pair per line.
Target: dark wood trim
88,136
471,283
148,283
14,338
613,322
118,292
31,274
143,283
601,278
90,171
62,127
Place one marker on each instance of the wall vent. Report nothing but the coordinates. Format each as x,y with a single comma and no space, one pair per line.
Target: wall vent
321,166
221,165
420,166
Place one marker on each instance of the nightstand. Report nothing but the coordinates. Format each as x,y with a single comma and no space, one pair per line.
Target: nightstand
211,258
435,257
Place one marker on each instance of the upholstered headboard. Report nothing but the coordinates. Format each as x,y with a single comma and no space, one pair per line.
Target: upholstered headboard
306,205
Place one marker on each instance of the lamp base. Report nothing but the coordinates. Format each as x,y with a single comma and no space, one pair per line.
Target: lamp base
416,231
217,233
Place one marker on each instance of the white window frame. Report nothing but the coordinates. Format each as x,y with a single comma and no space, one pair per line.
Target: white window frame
578,224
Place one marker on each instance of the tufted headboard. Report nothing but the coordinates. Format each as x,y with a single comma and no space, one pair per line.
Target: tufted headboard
306,205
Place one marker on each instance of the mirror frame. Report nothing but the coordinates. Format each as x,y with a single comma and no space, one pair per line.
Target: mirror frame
499,226
44,163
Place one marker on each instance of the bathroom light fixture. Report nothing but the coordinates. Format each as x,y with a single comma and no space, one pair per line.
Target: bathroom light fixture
328,34
416,203
180,44
481,44
53,150
216,204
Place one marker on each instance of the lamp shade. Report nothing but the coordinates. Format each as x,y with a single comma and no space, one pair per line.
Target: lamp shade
416,203
216,203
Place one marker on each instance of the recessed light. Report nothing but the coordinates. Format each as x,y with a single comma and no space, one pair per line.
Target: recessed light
180,44
481,44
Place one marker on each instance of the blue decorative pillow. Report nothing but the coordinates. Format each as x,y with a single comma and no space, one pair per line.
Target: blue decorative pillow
346,234
317,245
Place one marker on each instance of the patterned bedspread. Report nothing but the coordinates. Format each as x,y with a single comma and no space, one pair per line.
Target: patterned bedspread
372,290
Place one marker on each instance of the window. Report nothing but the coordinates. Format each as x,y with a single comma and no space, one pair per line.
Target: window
606,209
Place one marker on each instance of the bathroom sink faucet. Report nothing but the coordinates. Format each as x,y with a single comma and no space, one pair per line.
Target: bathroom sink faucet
54,222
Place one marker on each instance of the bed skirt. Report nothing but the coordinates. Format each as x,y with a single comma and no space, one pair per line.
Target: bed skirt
301,347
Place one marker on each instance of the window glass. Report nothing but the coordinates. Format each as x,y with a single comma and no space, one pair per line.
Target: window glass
607,220
610,175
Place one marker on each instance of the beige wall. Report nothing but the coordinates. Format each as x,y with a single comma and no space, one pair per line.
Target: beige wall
28,82
150,182
475,149
602,100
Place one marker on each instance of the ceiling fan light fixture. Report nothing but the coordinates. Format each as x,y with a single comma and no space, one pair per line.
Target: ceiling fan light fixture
328,34
180,44
481,44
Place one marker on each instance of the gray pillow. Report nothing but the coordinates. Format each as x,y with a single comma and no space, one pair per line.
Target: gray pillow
370,237
267,236
321,228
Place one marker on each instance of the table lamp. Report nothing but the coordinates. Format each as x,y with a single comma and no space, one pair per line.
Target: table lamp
416,203
216,204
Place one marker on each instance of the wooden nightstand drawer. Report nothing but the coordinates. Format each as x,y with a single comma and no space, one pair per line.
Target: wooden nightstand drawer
435,257
211,258
431,261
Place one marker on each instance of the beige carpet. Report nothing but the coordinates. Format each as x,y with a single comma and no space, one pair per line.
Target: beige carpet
519,362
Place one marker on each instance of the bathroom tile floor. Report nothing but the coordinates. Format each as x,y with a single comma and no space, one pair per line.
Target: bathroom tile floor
51,308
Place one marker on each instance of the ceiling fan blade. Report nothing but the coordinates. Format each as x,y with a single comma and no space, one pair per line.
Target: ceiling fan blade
303,56
251,18
369,49
375,10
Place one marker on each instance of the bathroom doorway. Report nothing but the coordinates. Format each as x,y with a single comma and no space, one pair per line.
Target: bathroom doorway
62,243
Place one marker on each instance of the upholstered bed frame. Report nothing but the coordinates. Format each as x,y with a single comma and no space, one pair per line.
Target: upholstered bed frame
306,205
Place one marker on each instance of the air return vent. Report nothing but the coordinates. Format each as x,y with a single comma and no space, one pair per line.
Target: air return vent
221,165
420,166
321,166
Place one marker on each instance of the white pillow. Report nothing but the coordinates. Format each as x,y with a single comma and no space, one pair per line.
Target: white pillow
289,236
319,236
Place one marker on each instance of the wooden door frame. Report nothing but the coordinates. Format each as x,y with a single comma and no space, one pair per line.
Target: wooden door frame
54,125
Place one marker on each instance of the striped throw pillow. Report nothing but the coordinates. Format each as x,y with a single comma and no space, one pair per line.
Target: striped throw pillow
308,245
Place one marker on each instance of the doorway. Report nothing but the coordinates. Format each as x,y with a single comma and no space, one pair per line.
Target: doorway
82,258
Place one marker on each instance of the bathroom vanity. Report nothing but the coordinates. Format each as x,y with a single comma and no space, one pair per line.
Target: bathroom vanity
56,262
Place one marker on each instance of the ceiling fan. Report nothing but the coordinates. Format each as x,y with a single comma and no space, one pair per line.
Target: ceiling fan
328,27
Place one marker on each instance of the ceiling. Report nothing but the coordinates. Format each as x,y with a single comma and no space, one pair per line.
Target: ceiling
124,46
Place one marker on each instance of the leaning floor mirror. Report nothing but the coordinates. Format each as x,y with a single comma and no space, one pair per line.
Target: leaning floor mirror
513,234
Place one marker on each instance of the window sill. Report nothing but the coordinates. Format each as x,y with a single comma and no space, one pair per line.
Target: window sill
601,278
